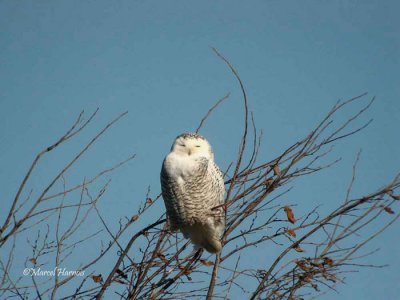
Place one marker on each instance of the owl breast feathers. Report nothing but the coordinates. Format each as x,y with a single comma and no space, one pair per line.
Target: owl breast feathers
193,191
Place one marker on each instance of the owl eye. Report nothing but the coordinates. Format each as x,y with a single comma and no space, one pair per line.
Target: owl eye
198,146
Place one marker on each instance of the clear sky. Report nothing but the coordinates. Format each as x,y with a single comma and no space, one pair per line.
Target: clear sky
153,58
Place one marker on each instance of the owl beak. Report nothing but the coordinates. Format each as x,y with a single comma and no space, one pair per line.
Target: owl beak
190,152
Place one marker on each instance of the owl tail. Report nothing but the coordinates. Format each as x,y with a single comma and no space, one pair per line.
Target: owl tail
203,236
212,245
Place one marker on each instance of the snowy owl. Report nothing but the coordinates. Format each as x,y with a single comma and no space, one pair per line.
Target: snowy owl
193,190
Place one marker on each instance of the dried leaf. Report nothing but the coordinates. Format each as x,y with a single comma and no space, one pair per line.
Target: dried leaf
162,257
276,170
305,278
149,201
328,261
185,270
291,232
97,278
289,214
134,218
298,249
206,262
389,210
269,182
33,260
301,264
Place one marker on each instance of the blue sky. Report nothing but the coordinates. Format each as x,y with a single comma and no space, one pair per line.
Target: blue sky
153,58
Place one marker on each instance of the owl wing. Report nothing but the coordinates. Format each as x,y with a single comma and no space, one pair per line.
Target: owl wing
219,178
218,210
171,199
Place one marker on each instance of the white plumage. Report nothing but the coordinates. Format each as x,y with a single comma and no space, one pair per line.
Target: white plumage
193,191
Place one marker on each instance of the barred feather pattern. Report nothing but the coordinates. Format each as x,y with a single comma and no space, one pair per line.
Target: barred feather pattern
193,192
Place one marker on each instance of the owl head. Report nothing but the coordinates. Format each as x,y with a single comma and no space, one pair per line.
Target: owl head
192,145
